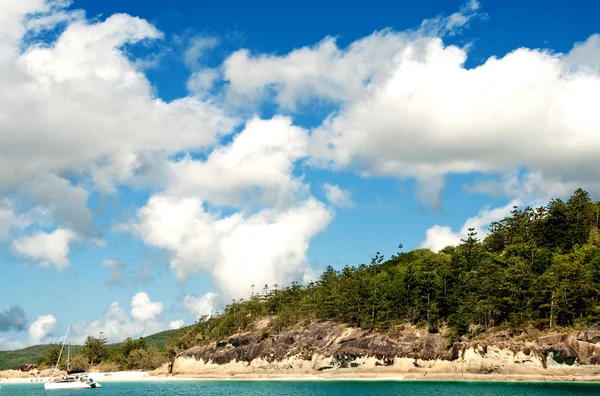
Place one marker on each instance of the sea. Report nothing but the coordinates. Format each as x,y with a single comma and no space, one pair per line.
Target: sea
316,388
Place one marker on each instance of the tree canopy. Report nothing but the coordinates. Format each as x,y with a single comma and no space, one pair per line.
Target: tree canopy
537,267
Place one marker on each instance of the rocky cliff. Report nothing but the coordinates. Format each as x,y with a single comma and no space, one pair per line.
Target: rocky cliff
322,348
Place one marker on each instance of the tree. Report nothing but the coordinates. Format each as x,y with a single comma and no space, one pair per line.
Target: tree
52,356
470,247
79,362
95,349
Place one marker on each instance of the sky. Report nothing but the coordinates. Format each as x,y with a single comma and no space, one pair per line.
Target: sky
159,159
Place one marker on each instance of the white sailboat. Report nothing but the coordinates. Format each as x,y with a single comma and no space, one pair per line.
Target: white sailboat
75,379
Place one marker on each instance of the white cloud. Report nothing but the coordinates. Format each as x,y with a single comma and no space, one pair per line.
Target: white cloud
530,109
89,108
41,328
488,119
80,107
206,304
47,248
325,71
266,240
142,308
238,250
196,49
438,237
176,324
255,168
201,81
337,196
118,325
452,24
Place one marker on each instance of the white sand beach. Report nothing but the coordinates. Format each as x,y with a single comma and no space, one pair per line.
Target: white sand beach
346,375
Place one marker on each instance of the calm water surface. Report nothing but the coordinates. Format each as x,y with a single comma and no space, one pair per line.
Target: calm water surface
321,388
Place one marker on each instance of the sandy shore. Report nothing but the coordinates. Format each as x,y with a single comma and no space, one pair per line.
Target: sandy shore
134,376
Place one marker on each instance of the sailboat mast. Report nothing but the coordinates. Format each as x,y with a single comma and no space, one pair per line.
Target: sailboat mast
70,341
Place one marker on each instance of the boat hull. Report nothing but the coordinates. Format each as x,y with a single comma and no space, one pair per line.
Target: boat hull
71,385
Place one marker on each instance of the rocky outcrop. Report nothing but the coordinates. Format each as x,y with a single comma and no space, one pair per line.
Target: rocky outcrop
28,367
326,347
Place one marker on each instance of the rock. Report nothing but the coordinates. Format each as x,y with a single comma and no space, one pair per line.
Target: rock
28,367
323,347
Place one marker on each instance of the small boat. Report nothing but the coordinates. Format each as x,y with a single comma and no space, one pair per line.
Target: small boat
75,379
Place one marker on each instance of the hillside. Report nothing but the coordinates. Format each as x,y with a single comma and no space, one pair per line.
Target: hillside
537,271
15,359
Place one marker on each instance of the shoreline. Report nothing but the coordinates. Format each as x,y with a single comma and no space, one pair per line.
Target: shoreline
340,376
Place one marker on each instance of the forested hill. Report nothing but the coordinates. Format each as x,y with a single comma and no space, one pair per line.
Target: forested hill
39,353
539,267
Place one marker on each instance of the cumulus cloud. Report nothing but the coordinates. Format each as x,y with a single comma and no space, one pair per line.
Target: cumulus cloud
13,319
438,237
142,308
238,250
47,249
206,304
78,114
41,327
408,107
265,237
325,71
337,196
144,319
88,107
255,168
176,324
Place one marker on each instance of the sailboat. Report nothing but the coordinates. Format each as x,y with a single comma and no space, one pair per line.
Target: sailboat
75,379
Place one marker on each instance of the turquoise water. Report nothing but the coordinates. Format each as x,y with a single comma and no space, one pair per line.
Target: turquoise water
320,388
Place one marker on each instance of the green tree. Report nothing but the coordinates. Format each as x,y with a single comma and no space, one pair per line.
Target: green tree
95,349
52,356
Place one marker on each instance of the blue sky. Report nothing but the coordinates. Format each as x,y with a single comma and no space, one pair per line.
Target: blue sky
161,157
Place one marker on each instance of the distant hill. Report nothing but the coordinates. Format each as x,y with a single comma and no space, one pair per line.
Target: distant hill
15,359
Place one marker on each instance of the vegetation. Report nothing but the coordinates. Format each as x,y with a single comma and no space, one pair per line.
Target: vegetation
15,359
46,355
537,268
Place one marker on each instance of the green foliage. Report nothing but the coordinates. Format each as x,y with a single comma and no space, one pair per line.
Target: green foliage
14,359
537,267
51,357
39,353
79,362
95,349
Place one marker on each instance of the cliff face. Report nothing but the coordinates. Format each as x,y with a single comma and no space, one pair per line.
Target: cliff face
329,347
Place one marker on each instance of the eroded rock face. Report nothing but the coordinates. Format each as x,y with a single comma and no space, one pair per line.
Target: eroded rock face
328,346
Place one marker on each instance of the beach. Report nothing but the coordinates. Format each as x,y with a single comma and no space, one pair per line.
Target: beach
338,375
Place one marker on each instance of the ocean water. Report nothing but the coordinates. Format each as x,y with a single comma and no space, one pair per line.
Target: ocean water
315,388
